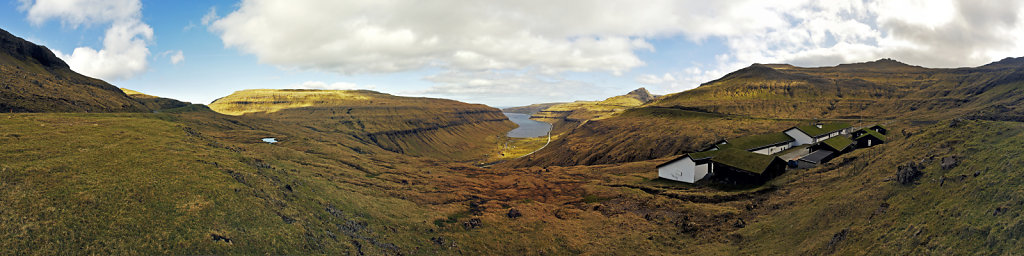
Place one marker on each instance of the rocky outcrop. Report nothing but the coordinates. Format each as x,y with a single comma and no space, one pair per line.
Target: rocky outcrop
909,173
641,94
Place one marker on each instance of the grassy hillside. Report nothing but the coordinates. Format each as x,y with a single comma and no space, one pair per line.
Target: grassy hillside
643,134
33,79
438,128
153,102
968,205
202,183
783,95
880,89
367,173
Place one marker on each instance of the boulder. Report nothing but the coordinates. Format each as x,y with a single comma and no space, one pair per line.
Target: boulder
909,173
514,213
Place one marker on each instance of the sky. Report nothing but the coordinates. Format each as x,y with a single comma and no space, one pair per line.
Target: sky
499,52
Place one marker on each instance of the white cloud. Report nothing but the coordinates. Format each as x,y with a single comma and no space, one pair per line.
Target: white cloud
176,57
947,33
686,79
539,40
78,12
125,50
390,36
503,88
189,27
332,86
210,16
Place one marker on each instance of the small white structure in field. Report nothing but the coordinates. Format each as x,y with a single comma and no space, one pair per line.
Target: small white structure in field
685,168
810,134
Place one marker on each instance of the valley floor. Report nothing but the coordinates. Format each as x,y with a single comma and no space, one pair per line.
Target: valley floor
203,183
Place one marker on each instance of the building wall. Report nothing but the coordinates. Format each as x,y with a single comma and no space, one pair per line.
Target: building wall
868,142
700,171
773,149
827,136
799,138
683,170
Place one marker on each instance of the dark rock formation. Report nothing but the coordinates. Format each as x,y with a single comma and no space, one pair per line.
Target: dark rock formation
514,213
472,223
908,173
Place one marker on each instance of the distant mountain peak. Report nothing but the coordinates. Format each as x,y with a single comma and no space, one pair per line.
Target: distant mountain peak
1009,62
24,50
641,94
755,70
880,64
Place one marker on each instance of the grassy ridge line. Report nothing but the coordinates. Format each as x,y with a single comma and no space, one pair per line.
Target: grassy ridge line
883,89
33,79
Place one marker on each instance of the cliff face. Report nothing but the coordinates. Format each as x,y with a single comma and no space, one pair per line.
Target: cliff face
33,79
443,129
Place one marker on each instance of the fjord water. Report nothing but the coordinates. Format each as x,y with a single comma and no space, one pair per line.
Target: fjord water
527,128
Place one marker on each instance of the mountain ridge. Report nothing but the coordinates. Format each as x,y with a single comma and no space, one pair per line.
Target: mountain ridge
776,96
34,80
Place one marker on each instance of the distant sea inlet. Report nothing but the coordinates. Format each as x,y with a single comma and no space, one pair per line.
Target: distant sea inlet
527,128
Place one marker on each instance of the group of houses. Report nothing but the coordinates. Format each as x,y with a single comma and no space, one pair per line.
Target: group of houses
756,159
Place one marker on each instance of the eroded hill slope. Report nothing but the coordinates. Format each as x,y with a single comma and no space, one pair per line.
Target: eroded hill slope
33,79
439,128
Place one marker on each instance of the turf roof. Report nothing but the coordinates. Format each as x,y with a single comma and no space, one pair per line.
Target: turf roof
703,154
755,142
878,126
743,160
872,133
693,156
838,143
814,131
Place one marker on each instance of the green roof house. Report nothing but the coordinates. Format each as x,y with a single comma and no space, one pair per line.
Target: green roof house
837,144
765,144
810,134
868,137
742,167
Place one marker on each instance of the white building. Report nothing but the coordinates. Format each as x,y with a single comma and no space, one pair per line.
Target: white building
810,134
685,168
